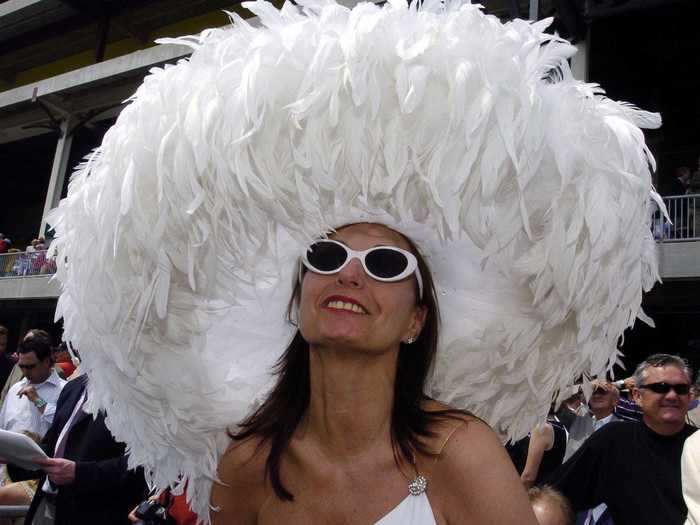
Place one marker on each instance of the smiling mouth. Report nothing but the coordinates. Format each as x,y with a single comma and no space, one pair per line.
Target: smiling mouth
345,306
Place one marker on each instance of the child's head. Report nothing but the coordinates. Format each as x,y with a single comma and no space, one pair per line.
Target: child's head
550,507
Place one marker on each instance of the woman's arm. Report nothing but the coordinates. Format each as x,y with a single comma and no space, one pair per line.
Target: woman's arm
474,480
541,440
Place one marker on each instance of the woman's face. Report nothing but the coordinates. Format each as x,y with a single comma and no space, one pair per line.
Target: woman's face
350,309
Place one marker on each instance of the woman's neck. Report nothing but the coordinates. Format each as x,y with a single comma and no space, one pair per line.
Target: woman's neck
351,400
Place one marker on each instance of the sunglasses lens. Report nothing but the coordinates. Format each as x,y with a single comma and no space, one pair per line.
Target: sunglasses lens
665,388
682,389
326,256
385,263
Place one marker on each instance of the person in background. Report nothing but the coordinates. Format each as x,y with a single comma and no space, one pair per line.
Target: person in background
690,476
31,403
678,184
16,373
602,403
694,206
627,409
29,408
87,480
4,243
550,507
645,455
63,360
601,411
6,362
545,451
31,247
571,407
693,417
176,509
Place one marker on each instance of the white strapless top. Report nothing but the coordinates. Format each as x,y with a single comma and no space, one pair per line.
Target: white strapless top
415,509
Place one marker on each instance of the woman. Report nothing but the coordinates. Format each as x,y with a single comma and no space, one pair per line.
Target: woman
545,451
348,435
526,191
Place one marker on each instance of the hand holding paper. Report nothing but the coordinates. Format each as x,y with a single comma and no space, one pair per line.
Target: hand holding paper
20,449
59,470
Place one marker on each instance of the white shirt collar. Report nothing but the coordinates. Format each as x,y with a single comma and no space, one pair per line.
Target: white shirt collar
597,423
53,379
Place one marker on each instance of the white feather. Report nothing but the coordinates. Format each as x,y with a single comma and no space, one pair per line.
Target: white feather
528,192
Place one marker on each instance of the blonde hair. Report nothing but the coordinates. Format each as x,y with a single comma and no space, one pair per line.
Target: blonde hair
549,496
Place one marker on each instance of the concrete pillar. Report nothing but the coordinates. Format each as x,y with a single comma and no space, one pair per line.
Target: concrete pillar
58,171
579,62
534,10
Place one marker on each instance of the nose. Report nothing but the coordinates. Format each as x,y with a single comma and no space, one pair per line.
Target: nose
353,275
671,395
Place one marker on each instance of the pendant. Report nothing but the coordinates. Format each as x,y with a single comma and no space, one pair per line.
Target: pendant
417,486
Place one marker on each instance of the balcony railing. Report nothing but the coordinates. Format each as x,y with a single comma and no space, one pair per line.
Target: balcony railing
684,212
24,264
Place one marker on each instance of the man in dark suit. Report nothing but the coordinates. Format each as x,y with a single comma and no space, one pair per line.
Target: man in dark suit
86,478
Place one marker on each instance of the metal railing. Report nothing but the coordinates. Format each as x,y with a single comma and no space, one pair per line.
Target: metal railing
13,511
23,264
684,212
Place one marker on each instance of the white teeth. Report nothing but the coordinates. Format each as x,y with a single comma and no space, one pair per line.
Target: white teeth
340,305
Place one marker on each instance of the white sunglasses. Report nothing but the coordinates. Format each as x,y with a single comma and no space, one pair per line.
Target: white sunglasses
382,263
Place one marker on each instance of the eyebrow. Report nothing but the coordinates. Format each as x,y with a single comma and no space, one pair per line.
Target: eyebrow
375,246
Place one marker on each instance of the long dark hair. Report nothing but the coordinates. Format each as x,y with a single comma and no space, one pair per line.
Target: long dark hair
275,421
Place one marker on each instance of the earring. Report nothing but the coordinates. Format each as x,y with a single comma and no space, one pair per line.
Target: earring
410,340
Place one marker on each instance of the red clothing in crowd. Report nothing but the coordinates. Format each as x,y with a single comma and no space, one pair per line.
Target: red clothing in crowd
178,509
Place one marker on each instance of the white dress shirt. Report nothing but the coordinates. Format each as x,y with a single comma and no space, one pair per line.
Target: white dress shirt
19,414
600,423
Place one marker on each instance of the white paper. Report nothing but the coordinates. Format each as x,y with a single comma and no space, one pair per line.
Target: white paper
20,450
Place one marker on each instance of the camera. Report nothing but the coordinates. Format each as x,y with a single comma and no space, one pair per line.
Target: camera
151,512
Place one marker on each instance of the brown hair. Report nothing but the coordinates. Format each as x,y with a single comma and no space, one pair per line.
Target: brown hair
275,421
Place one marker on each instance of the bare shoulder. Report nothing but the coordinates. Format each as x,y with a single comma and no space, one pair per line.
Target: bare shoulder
448,424
244,458
240,490
471,473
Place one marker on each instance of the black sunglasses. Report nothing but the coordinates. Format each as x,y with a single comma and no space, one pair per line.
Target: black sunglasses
682,389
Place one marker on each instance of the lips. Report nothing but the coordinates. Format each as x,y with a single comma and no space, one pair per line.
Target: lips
344,304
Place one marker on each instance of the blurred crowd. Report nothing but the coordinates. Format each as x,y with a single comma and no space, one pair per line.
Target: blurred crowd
31,260
616,458
609,453
685,181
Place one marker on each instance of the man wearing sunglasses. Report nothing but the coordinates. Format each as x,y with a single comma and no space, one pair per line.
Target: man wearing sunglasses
634,468
31,403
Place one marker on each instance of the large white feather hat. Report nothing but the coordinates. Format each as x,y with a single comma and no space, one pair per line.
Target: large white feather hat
527,191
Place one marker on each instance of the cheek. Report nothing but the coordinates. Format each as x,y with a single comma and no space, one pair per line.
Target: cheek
311,288
398,303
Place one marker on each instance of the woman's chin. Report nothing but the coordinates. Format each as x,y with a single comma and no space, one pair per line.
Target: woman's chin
359,343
